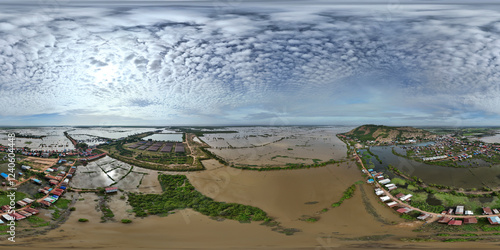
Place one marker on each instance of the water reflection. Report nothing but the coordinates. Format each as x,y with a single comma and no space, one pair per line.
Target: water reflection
477,177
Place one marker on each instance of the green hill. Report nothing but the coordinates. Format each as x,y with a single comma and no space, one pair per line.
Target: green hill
382,133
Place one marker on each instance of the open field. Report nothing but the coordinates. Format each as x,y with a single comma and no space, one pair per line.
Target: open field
38,163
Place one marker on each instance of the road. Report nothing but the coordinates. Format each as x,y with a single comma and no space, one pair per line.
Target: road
402,204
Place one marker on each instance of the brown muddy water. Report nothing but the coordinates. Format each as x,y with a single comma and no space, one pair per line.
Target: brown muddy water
466,177
284,195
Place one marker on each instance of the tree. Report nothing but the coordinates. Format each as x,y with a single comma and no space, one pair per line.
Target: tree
82,145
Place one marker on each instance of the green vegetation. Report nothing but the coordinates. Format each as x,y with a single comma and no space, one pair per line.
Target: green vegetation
82,145
126,221
488,228
178,193
469,235
56,214
214,156
288,166
398,181
372,132
374,155
426,207
461,239
166,158
5,200
407,217
311,219
418,239
83,220
72,209
107,212
122,150
200,131
348,193
154,166
369,238
62,203
36,221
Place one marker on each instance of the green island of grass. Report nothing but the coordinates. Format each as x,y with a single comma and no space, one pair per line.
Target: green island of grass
179,193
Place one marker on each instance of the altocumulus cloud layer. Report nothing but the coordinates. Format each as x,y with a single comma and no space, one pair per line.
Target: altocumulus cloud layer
244,63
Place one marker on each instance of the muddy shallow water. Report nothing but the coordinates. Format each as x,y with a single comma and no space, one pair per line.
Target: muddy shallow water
284,195
449,176
259,146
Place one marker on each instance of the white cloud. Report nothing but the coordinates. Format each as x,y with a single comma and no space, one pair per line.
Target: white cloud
171,62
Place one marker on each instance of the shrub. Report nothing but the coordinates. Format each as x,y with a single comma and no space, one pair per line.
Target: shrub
126,221
83,220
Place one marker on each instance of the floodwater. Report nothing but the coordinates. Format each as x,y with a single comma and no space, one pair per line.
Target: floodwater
164,137
106,171
448,176
109,132
54,138
257,146
284,195
491,139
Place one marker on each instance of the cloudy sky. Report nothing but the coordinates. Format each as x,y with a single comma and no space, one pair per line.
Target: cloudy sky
235,62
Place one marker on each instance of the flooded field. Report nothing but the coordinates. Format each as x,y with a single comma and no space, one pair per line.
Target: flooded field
106,171
285,195
288,196
165,137
257,146
491,139
88,139
476,177
110,132
53,138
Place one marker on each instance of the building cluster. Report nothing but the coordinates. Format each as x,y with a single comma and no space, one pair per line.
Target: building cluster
375,142
19,214
448,147
393,202
51,153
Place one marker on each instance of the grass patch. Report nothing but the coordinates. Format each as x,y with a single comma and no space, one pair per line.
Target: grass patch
369,238
461,239
443,235
398,181
56,214
62,203
83,220
4,200
36,221
348,193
